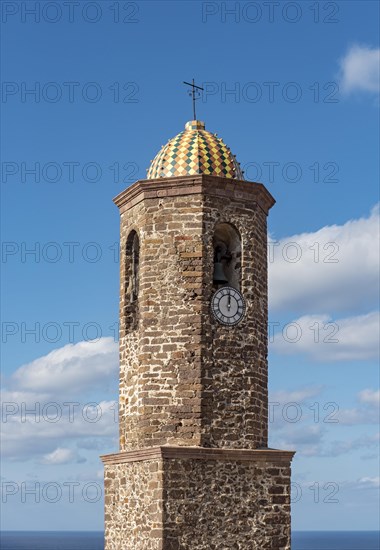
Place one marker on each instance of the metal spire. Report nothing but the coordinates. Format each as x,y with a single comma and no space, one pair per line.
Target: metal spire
195,94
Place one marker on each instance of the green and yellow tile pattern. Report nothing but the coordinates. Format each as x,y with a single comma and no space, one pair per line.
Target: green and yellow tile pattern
195,151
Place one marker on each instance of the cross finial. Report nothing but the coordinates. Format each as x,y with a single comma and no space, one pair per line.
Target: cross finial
194,93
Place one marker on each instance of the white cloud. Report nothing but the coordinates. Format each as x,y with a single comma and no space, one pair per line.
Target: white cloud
61,456
292,422
40,412
95,443
369,396
309,440
298,395
369,481
324,339
12,399
74,367
366,413
306,439
356,416
337,448
299,406
337,268
39,434
297,436
359,69
297,420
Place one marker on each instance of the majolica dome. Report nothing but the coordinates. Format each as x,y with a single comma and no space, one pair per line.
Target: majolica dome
195,151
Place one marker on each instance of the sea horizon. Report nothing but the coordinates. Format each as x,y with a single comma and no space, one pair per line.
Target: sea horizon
94,540
102,531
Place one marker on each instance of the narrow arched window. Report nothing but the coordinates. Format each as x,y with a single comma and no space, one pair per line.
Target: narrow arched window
132,264
135,258
227,256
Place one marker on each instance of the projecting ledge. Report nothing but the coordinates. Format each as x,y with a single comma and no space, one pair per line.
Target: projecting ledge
201,453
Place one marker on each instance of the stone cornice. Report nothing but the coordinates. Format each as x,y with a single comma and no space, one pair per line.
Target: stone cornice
200,453
238,190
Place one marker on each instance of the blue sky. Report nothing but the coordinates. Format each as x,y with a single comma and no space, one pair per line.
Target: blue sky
302,119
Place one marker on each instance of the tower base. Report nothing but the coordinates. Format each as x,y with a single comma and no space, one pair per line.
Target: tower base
196,498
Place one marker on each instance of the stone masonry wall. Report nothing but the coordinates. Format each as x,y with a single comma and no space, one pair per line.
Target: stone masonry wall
193,471
212,505
133,505
160,378
206,503
234,362
185,379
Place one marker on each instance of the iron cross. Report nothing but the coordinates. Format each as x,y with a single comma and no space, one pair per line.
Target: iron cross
194,93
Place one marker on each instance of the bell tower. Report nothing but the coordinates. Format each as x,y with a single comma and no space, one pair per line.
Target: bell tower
194,471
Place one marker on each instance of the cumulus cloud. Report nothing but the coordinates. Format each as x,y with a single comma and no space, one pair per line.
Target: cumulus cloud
334,268
73,367
365,441
310,441
307,439
40,413
297,395
305,404
54,423
322,338
94,444
370,396
359,69
367,411
12,399
358,416
300,419
369,481
292,422
61,456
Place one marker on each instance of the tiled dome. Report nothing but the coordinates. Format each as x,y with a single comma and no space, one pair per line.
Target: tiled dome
195,151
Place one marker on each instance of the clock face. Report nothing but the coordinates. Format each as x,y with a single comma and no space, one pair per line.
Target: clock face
228,306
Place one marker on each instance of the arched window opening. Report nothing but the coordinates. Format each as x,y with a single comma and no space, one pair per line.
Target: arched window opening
134,276
227,256
132,262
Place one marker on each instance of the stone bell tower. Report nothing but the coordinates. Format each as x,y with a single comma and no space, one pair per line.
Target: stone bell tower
194,471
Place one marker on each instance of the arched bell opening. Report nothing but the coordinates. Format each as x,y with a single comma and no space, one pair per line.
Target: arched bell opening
227,256
132,262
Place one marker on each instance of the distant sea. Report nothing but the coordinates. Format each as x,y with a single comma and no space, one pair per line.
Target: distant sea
93,540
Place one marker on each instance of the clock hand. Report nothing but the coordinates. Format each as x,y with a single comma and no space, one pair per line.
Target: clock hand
229,300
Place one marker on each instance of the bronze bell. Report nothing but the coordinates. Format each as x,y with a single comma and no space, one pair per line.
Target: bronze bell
219,276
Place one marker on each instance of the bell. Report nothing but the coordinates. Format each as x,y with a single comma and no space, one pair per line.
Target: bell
219,276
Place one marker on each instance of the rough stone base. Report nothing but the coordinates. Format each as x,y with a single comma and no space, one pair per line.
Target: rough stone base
194,498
